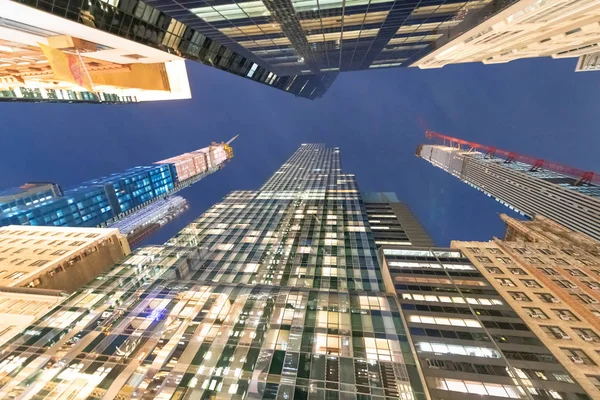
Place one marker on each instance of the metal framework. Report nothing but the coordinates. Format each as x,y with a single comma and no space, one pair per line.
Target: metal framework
583,177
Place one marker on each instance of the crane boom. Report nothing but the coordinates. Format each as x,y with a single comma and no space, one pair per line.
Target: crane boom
536,163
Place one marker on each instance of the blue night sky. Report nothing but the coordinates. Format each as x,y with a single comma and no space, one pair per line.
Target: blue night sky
539,107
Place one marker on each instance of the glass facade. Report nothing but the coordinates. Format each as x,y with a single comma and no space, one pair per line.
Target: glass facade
310,36
146,23
275,293
101,201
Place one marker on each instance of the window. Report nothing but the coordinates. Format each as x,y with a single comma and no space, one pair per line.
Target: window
547,252
560,261
494,270
555,332
563,283
547,298
505,282
519,296
584,298
586,262
494,250
504,260
479,388
483,259
59,252
570,252
548,271
453,299
39,263
578,356
444,321
595,380
471,351
592,285
587,334
535,312
521,250
565,315
15,275
517,271
533,260
474,250
575,272
531,283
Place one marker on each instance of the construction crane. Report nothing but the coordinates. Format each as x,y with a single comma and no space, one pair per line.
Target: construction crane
583,177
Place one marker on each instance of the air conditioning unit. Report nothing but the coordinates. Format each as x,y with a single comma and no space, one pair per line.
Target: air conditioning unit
535,315
555,300
565,317
565,337
587,338
577,360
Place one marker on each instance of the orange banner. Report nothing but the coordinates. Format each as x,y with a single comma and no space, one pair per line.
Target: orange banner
67,67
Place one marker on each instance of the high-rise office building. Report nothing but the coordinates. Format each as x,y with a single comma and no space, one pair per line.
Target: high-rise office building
551,277
275,292
49,257
280,293
312,37
118,197
469,341
116,41
392,222
503,31
526,185
144,223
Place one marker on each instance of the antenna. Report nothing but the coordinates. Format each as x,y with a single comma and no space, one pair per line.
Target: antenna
232,139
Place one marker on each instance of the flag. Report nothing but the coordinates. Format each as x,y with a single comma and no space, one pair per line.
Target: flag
67,67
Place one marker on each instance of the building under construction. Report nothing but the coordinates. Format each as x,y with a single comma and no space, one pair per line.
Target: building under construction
525,184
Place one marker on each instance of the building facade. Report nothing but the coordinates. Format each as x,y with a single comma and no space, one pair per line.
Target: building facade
551,277
57,258
125,33
23,306
282,293
270,293
311,37
392,222
522,29
523,187
119,197
142,224
469,341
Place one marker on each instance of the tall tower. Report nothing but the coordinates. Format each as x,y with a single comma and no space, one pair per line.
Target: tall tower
120,197
525,184
279,293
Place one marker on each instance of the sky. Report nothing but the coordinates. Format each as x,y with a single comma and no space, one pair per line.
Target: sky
538,107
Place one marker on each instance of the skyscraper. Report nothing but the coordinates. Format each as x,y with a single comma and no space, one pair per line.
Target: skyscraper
107,200
526,185
275,292
392,222
503,31
311,37
280,293
131,50
550,277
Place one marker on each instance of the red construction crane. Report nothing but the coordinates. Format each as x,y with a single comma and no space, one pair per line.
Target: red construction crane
583,177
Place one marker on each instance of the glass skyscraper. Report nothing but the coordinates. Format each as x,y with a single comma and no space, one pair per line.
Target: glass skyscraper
280,293
104,201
